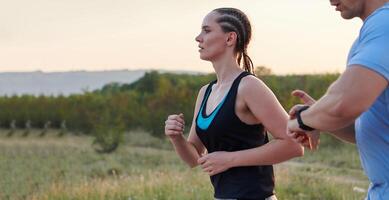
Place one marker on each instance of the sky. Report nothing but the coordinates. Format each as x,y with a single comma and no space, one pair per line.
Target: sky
289,37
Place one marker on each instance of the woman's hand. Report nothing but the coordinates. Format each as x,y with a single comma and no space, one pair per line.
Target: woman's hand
174,126
215,162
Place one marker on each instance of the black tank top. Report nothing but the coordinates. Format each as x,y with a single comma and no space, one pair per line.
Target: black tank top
222,130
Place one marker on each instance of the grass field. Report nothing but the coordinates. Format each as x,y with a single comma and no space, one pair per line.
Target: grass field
146,168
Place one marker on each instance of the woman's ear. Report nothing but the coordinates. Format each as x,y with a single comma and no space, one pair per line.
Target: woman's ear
231,39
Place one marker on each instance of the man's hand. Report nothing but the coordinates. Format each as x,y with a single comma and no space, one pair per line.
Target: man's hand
309,140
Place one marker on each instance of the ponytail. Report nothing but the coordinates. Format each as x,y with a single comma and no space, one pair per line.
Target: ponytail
248,65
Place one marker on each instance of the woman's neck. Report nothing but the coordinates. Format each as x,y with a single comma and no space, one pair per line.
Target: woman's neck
226,70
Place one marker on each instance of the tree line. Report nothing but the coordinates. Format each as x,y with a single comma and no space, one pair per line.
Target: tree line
144,104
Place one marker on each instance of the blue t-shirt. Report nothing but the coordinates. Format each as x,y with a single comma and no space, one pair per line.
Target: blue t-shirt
371,50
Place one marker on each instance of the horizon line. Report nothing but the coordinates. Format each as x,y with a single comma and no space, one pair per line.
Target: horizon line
159,70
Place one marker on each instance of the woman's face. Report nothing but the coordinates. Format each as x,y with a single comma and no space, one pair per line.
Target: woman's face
212,40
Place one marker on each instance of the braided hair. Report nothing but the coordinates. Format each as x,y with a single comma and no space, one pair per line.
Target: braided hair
234,20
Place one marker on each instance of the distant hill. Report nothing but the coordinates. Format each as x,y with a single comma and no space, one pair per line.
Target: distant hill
65,83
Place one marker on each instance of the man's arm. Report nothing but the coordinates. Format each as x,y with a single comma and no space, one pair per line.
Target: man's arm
347,98
346,134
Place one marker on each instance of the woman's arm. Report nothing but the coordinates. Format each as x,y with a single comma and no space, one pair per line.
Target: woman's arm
266,108
191,149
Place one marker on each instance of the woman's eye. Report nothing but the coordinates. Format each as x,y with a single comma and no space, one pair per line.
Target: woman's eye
205,30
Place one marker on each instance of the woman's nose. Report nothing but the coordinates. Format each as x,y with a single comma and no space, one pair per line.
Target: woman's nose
198,38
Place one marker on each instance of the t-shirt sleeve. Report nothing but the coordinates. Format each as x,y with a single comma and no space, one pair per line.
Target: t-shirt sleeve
373,51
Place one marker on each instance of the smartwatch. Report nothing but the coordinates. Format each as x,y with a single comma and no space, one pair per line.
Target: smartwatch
300,121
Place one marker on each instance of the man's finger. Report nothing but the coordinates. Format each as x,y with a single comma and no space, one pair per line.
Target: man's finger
308,144
304,97
294,109
292,135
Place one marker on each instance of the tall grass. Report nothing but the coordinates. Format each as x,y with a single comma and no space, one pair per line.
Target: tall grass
146,168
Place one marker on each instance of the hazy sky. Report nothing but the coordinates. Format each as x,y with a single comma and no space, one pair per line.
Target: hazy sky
305,36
